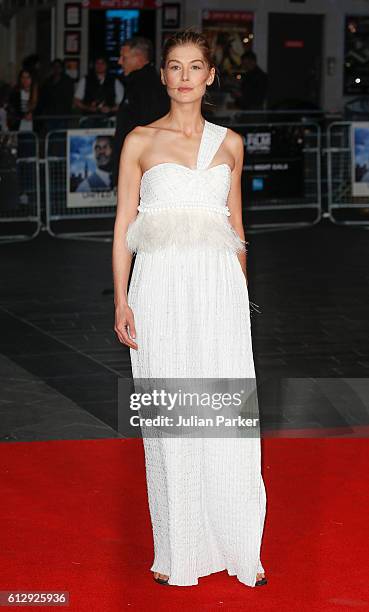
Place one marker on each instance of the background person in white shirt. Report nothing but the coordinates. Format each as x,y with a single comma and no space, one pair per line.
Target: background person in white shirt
99,92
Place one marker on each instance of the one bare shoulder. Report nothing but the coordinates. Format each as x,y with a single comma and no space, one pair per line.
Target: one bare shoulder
133,146
134,141
140,139
144,139
234,140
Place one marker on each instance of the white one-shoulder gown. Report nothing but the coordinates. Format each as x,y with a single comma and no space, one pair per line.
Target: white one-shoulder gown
192,315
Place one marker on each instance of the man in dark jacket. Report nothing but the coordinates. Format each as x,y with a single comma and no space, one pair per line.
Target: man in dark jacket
56,94
145,99
254,84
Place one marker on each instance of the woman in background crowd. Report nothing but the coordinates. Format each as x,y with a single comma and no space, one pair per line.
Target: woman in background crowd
22,102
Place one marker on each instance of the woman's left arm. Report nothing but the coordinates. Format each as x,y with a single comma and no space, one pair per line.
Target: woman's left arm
235,194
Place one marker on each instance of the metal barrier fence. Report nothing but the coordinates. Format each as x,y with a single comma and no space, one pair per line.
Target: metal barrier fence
295,153
344,208
20,216
289,168
60,216
281,182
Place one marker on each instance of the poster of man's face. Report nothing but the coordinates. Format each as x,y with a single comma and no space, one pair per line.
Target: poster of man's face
90,165
360,159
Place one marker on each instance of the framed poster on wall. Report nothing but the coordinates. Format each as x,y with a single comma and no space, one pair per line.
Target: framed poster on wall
72,42
72,15
230,34
170,15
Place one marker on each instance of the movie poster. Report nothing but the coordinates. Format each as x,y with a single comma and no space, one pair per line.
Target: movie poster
360,159
90,167
274,163
230,34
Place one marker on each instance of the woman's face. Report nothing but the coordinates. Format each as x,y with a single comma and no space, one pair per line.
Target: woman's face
25,80
186,73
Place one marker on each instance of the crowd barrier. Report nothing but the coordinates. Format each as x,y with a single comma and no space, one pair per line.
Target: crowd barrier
20,216
348,203
64,219
281,183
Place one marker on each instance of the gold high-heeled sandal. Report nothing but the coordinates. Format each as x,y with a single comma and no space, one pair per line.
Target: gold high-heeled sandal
261,581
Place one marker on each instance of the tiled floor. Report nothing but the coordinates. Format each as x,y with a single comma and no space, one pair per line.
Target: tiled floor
60,360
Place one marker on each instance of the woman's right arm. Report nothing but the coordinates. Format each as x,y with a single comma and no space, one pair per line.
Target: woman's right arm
128,198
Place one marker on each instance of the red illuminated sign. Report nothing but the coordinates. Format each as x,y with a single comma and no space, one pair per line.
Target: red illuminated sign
294,44
227,15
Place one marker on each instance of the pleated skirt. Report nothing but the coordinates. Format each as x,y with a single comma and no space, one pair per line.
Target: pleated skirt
206,495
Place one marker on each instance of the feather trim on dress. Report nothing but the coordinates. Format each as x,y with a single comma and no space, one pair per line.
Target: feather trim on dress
183,227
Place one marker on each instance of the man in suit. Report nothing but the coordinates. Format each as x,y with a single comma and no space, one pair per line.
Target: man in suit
145,97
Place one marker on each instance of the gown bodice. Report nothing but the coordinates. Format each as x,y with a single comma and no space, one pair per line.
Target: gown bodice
186,206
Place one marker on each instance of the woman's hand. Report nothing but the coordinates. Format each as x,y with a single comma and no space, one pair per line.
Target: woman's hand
125,326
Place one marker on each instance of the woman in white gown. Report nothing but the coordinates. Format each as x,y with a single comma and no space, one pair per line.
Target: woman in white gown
186,315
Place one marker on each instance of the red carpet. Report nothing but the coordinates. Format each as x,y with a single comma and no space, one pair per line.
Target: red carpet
74,517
